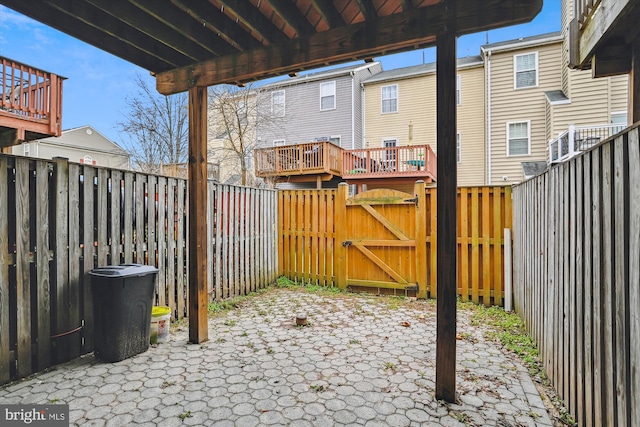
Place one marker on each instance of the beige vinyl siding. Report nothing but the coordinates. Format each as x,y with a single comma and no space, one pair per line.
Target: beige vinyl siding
592,102
471,126
509,105
619,93
417,106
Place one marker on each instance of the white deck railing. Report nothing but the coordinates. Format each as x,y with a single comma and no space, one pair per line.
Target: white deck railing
577,139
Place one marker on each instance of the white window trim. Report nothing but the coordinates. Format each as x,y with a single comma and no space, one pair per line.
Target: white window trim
382,100
458,90
284,103
338,137
335,100
279,142
515,72
528,122
458,147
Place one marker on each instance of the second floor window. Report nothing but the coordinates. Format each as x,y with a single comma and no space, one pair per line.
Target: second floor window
519,136
279,142
526,70
327,96
277,103
390,99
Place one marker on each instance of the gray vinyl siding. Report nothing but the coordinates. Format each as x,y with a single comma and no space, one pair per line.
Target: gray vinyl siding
304,121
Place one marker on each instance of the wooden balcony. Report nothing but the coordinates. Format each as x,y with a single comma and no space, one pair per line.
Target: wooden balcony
398,165
600,35
308,162
323,161
30,103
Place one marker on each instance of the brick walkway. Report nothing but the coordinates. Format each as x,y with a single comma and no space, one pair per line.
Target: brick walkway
363,360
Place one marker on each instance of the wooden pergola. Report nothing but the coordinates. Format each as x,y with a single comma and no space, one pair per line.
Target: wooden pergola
190,45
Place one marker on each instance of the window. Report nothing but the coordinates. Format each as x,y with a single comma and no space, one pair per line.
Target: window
327,96
87,160
390,99
277,103
278,142
519,136
458,85
620,119
335,139
526,70
26,147
458,148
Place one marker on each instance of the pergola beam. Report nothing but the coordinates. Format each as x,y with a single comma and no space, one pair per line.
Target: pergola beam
394,33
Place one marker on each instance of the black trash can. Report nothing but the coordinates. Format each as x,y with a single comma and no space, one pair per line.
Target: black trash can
122,302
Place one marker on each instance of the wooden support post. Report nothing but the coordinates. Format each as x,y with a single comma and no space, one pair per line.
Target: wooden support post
634,83
197,173
447,217
340,221
421,238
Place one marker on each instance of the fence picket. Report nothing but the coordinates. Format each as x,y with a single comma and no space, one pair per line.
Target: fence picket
5,260
42,266
23,275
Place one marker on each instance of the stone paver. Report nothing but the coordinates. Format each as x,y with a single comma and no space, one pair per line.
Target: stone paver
357,363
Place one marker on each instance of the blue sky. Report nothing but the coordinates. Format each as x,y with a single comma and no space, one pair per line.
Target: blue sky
98,83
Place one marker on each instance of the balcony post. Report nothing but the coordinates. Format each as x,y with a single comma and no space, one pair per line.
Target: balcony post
572,140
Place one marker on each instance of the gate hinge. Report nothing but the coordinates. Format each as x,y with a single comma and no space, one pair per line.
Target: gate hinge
414,200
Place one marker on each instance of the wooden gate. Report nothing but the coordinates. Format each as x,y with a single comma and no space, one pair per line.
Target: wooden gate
379,235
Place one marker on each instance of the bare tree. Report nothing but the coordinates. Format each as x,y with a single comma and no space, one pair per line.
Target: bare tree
157,128
235,115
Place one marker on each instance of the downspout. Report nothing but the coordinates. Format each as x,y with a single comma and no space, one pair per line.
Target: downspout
353,110
488,71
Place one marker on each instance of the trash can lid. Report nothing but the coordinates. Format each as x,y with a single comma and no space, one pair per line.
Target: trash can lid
124,270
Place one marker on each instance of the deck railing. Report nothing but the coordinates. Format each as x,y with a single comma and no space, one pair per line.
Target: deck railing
584,8
365,163
300,159
30,99
578,139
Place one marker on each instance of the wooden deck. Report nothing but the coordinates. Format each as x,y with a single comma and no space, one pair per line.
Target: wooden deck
308,162
323,161
399,165
30,103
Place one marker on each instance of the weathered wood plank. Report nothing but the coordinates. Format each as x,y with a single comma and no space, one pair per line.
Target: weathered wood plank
181,245
579,411
634,277
23,269
152,222
61,230
5,370
103,217
128,218
88,251
75,253
571,304
598,320
475,245
171,244
116,231
42,265
139,205
162,241
620,285
588,296
607,262
219,255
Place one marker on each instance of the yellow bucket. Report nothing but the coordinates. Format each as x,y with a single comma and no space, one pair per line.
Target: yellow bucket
160,322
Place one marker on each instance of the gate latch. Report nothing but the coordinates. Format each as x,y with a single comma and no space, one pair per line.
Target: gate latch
346,243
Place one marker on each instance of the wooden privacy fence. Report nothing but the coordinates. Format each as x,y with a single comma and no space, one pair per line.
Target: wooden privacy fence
389,238
577,278
60,220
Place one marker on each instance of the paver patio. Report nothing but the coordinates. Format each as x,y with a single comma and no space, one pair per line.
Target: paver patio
362,360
